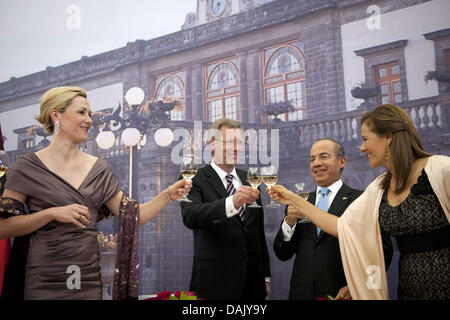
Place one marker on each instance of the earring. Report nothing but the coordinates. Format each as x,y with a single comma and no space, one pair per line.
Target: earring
388,154
56,129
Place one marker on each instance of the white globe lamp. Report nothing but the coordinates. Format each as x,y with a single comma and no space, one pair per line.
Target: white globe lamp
163,137
134,96
131,137
105,139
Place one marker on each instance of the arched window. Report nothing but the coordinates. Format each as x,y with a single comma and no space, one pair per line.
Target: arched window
284,78
168,88
222,91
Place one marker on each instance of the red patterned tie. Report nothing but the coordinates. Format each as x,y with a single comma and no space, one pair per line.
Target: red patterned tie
231,190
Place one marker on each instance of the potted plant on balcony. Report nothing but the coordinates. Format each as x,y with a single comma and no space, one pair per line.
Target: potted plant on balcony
36,130
363,91
438,75
276,108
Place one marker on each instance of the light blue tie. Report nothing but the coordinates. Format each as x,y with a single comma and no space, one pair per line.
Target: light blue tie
323,202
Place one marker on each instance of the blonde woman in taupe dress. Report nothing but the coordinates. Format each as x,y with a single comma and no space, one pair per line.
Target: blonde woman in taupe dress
66,190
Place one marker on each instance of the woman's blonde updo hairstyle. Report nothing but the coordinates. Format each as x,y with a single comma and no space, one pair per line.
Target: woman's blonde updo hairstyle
57,98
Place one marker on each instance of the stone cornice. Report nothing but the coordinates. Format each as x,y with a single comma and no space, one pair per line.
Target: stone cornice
381,48
267,15
437,35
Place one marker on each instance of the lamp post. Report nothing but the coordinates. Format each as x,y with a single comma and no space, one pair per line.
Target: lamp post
140,119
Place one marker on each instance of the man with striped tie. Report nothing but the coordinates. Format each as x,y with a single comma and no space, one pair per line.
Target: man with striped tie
231,259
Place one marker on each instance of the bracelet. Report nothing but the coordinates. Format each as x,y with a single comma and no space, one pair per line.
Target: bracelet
168,195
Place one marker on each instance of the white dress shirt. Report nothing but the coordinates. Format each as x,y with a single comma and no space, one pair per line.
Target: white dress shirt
230,210
334,188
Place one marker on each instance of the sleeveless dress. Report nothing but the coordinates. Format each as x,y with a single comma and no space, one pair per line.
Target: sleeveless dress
57,250
422,275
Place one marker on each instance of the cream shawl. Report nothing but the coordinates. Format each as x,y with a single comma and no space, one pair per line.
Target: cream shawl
360,238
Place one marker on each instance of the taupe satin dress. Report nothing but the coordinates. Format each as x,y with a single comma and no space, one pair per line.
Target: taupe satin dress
57,249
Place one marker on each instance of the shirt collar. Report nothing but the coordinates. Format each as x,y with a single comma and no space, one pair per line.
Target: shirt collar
334,188
221,173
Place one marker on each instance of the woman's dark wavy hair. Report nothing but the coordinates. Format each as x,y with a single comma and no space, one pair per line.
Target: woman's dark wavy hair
406,145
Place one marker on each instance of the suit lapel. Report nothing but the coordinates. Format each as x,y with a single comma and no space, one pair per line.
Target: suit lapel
340,200
312,197
243,176
312,226
215,182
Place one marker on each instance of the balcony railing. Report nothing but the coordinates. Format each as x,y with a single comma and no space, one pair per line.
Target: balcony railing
430,116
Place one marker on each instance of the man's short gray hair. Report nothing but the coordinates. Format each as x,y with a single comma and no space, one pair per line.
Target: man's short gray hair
340,151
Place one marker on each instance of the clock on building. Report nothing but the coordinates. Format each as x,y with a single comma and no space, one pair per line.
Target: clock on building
213,10
218,6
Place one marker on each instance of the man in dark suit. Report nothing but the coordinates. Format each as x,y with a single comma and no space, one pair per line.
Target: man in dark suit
231,260
318,270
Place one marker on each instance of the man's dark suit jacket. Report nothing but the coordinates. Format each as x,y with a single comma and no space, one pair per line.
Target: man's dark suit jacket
230,255
318,269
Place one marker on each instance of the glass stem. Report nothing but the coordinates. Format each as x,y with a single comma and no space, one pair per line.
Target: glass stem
184,191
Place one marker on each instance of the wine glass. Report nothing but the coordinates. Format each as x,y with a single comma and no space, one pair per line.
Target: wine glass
270,178
300,190
188,170
254,178
4,162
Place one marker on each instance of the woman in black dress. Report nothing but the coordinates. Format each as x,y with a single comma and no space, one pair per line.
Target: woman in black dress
410,201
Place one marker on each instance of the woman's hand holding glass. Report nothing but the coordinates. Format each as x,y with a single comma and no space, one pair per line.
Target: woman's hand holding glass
179,188
281,194
188,170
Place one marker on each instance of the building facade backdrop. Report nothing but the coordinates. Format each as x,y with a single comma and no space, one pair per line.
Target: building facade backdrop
230,59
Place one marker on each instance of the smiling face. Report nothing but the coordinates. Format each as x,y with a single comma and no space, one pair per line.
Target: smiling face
324,164
75,121
228,146
374,146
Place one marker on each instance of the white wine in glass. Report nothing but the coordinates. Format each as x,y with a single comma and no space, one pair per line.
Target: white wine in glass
270,178
300,190
254,178
2,171
188,170
4,162
188,174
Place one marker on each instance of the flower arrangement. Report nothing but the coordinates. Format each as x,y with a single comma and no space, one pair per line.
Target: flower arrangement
107,242
275,108
177,295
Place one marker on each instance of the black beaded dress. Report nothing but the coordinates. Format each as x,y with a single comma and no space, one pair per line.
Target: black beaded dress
425,274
